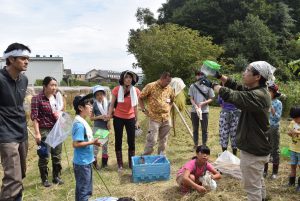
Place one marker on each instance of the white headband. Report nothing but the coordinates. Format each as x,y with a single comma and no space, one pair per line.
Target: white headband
16,53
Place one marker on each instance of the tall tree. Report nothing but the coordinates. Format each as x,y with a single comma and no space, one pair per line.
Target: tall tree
145,16
253,39
211,18
172,48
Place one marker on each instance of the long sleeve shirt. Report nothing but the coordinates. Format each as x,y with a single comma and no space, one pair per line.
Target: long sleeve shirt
255,105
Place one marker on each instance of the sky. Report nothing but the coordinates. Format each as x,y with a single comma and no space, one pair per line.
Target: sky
88,34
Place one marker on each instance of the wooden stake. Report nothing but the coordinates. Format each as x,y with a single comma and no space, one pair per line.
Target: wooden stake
183,120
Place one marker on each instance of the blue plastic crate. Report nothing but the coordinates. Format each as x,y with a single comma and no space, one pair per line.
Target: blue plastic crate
150,168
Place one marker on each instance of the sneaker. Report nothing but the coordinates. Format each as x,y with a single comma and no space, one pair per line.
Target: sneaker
273,176
46,183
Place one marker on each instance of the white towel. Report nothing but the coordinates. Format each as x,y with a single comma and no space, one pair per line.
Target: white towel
88,129
199,112
133,95
53,103
103,107
59,102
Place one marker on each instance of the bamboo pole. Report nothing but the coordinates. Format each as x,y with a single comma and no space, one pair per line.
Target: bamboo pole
187,113
183,120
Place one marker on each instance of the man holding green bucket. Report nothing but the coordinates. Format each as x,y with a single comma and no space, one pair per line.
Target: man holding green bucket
254,100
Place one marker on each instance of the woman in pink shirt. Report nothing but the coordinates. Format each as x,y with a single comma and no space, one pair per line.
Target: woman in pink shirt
123,109
188,176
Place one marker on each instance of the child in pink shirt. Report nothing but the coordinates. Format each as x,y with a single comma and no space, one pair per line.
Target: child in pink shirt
188,176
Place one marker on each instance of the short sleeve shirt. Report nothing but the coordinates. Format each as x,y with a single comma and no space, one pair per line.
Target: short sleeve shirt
82,155
194,169
124,110
295,145
159,101
198,97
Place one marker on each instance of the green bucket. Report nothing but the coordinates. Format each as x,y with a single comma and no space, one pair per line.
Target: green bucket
210,67
285,151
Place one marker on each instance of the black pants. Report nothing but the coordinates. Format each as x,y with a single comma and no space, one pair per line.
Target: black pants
275,141
204,124
129,124
55,152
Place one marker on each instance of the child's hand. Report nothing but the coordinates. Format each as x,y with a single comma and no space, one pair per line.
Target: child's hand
201,189
290,133
273,111
137,124
97,142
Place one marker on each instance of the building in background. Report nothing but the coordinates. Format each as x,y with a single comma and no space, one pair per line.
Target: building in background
102,76
78,76
40,67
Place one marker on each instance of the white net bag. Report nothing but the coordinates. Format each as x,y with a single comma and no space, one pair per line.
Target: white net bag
60,130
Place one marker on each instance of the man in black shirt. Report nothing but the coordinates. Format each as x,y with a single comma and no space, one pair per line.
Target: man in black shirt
13,128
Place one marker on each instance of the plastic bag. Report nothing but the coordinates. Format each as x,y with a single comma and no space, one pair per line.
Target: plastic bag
285,151
42,150
177,84
138,132
208,182
228,164
60,130
106,199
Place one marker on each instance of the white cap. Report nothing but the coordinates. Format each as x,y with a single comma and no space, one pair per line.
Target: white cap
98,88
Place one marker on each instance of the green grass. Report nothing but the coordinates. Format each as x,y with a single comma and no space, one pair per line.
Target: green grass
178,152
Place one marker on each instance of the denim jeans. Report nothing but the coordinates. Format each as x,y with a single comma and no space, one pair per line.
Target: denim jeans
84,181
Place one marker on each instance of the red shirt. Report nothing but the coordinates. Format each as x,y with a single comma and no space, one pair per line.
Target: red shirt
41,111
124,110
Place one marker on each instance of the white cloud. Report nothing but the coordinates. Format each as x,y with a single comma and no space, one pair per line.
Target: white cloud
88,34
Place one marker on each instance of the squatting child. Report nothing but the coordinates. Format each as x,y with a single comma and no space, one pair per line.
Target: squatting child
188,176
101,121
294,133
83,142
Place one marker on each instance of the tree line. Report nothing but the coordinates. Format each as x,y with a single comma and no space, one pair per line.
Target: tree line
232,32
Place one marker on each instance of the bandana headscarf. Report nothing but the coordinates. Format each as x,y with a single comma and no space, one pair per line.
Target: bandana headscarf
265,69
